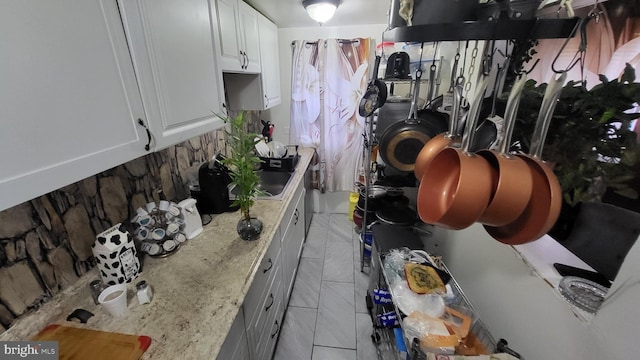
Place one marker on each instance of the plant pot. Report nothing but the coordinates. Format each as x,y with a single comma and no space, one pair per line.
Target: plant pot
249,229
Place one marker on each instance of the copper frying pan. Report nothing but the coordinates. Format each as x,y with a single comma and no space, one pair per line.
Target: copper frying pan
456,185
512,177
544,205
442,140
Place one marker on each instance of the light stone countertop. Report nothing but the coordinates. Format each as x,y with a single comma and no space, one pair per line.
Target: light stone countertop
197,291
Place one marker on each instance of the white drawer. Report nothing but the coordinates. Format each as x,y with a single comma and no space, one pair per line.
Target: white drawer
262,280
268,335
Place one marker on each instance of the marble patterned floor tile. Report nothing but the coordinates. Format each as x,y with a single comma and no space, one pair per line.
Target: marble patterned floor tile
296,338
336,322
306,289
320,220
329,353
340,229
365,348
314,246
338,263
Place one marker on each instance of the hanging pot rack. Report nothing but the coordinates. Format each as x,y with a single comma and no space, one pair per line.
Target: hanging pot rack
498,29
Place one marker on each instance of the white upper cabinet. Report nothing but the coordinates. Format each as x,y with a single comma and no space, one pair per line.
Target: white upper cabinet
239,42
174,55
250,37
69,102
270,62
258,91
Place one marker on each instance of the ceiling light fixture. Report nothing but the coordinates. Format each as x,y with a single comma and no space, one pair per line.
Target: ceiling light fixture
321,10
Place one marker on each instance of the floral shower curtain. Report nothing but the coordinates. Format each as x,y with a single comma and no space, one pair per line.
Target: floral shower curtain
329,78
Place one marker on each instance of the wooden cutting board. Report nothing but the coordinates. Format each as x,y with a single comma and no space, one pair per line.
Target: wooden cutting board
81,344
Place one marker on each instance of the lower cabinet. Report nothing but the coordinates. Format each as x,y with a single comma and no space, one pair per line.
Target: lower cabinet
264,304
235,345
255,335
292,239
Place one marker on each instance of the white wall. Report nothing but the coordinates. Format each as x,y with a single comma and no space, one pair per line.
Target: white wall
280,115
519,306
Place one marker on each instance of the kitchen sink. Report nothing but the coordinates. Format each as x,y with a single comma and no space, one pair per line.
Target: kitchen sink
272,184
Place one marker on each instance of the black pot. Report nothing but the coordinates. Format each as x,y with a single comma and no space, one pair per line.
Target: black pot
376,194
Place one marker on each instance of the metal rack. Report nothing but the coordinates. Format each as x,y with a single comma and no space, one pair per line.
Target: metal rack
379,278
500,29
369,141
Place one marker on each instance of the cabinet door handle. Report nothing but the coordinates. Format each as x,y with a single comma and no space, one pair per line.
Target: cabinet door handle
277,329
148,146
296,214
242,61
266,103
247,60
269,268
271,304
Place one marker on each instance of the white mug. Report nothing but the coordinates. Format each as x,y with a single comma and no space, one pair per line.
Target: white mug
172,228
151,207
164,205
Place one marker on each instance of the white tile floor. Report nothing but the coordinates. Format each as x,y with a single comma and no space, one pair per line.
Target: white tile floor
327,316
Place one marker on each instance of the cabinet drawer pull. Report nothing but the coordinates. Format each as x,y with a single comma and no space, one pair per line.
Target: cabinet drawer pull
148,146
277,329
271,304
269,268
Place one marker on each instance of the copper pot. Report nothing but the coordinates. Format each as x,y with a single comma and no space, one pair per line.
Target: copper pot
443,140
545,202
512,183
456,185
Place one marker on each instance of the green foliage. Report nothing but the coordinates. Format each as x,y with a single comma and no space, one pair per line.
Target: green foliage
589,142
242,163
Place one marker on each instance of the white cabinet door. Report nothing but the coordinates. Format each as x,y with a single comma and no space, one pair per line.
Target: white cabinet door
69,101
258,91
292,241
270,62
250,37
239,41
231,52
174,58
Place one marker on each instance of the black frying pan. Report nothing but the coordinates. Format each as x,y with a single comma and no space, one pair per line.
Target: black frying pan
401,142
376,94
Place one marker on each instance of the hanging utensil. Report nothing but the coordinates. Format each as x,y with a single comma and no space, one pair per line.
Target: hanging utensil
443,140
456,186
376,93
545,202
401,142
512,176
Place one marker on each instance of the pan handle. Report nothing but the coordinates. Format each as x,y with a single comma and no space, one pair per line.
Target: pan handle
414,100
549,102
474,113
510,113
454,121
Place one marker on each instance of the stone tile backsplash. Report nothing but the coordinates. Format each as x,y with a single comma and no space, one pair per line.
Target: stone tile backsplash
45,243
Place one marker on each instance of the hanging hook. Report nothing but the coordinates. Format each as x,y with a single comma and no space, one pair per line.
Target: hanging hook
594,12
582,48
535,63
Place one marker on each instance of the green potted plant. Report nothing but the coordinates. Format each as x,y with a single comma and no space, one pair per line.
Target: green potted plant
589,142
242,164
